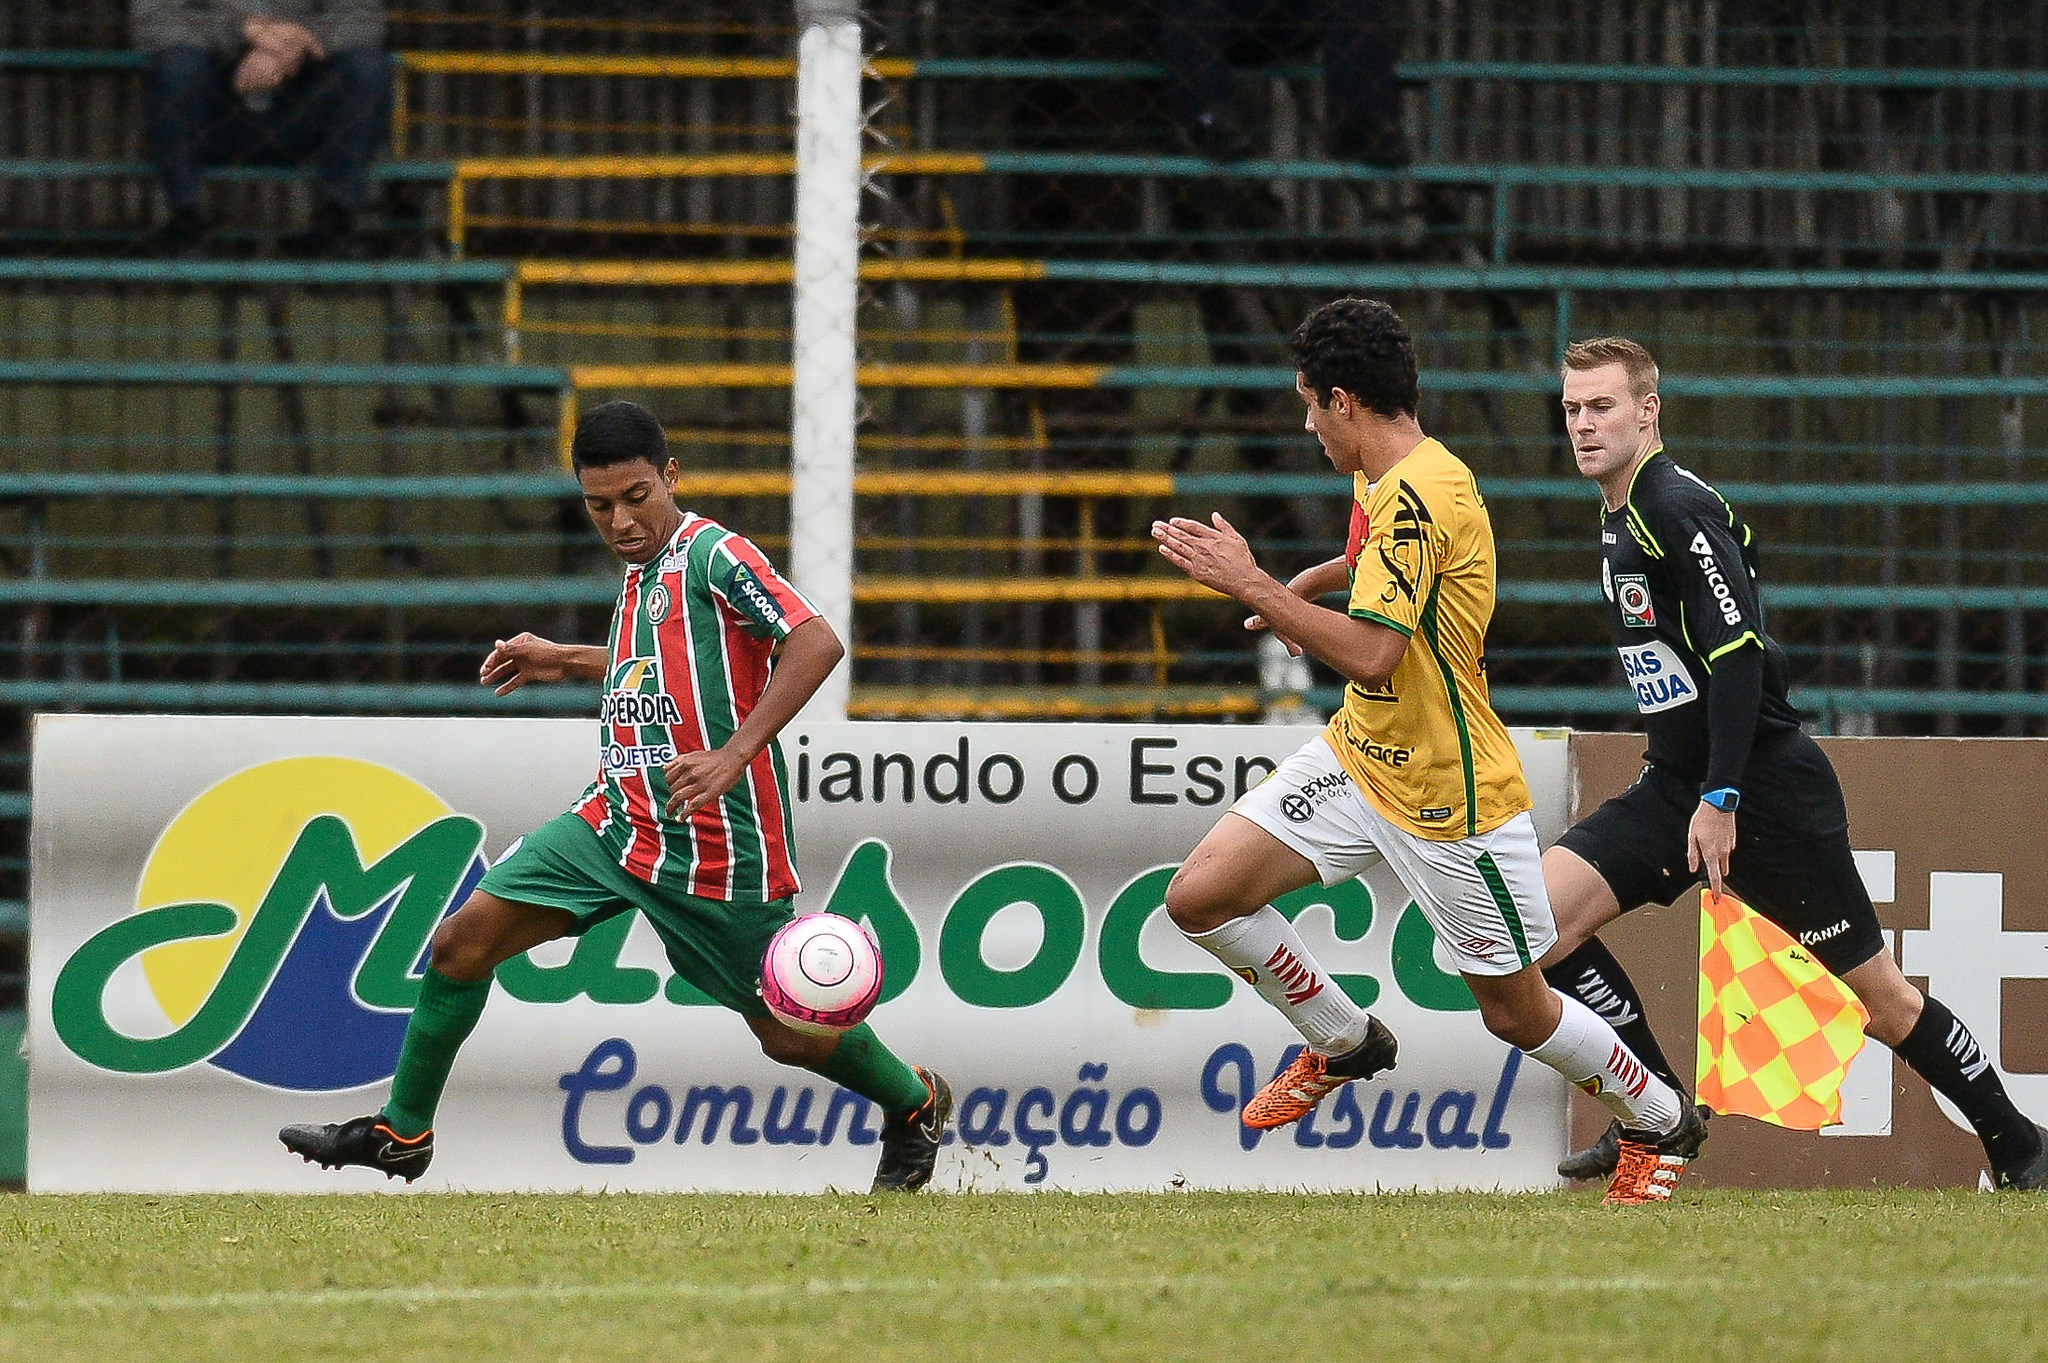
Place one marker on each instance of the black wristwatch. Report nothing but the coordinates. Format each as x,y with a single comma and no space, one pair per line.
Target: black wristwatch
1725,799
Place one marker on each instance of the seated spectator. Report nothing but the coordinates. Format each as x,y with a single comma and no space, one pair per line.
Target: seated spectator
1199,38
274,82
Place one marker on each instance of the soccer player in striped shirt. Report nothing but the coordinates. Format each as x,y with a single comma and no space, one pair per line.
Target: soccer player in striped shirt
687,822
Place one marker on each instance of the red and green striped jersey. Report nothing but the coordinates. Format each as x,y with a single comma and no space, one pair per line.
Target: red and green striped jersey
688,661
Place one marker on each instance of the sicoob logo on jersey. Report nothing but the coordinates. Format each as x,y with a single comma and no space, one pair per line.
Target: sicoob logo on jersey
745,591
1632,594
279,928
1717,584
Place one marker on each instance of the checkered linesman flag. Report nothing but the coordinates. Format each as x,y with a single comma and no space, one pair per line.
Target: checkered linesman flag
1777,1032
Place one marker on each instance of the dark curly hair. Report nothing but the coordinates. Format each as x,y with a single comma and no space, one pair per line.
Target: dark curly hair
1360,345
617,433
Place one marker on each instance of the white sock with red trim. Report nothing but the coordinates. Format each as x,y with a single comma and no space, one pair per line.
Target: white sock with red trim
1265,951
1588,1052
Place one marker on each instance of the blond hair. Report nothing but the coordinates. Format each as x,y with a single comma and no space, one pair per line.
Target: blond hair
1606,350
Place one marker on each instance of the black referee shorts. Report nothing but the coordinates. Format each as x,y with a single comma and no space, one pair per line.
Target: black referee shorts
1791,863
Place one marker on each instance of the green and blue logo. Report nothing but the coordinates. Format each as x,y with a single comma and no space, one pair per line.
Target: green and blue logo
281,924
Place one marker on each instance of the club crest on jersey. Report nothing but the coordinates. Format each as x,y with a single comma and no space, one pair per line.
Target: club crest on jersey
657,603
1632,594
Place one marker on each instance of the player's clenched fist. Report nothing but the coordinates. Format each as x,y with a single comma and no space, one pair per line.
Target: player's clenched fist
697,778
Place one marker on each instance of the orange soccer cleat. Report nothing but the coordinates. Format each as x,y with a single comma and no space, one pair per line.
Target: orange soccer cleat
1647,1171
1295,1091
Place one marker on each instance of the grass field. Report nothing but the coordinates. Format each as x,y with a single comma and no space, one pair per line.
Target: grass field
1753,1276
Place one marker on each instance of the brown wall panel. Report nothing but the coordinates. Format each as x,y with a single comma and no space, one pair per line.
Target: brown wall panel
1939,804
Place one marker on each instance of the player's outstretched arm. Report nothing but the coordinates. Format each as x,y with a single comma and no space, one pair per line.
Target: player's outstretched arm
514,662
806,658
1216,556
1310,584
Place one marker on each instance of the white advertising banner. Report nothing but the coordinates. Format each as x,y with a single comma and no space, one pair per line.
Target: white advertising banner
229,915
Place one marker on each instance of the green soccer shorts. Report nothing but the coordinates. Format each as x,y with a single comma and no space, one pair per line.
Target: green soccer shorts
715,945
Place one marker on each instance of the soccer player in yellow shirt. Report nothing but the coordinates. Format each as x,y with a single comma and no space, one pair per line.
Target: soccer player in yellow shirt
1416,770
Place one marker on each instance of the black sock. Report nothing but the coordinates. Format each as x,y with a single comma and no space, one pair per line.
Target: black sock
1942,1051
1593,977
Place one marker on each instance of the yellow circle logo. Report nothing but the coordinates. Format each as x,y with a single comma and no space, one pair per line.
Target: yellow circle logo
280,923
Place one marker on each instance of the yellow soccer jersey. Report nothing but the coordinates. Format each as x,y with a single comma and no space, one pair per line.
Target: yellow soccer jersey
1428,752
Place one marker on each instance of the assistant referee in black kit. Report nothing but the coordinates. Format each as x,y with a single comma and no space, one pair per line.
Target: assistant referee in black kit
1731,791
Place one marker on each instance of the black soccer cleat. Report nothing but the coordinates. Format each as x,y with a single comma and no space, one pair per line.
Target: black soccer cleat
910,1143
2031,1177
367,1141
1374,1055
1599,1159
1691,1133
1596,1160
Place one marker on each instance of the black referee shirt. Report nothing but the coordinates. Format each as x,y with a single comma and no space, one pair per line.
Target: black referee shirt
1678,569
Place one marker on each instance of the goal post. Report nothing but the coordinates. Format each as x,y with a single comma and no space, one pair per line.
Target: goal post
822,394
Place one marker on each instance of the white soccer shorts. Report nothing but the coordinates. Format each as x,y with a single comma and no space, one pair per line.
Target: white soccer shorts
1484,895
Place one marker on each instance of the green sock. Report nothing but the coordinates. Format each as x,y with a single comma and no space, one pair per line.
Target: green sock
442,1020
862,1063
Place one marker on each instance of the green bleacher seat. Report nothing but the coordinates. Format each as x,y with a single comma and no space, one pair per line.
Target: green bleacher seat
200,272
431,172
144,372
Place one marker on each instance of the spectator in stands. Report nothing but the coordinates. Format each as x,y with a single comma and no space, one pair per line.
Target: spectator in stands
1362,113
264,82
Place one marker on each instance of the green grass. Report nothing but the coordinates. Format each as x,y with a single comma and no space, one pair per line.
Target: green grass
1754,1276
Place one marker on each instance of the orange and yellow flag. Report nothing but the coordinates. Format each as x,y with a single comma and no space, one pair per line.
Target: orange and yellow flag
1777,1032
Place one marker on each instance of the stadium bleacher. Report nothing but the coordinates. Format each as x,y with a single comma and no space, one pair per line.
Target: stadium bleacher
247,482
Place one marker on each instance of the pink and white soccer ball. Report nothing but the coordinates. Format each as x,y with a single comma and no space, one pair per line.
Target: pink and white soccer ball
822,974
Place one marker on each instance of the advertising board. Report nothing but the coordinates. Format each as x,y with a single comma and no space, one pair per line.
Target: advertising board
229,915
